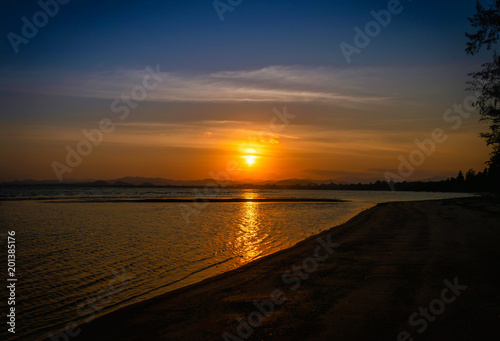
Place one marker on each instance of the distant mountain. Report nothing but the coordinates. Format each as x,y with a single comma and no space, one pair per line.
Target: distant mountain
138,181
439,177
356,180
47,182
122,184
129,181
295,182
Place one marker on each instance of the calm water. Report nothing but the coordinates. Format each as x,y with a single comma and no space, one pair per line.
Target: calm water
76,260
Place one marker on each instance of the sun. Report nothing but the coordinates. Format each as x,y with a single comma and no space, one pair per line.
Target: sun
250,159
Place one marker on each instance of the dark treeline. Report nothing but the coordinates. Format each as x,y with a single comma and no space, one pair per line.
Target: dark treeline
470,182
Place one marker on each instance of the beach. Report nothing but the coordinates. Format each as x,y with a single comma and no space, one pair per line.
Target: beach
426,270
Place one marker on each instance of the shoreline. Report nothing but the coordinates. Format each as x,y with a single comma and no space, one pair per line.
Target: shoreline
210,308
184,200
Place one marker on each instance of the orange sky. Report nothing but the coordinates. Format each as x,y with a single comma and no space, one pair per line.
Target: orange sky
357,133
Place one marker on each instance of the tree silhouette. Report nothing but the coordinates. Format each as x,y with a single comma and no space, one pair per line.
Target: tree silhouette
469,176
486,83
487,23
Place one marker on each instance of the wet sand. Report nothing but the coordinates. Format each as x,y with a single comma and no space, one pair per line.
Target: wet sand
437,262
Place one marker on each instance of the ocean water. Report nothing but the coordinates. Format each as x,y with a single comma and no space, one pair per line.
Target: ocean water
84,252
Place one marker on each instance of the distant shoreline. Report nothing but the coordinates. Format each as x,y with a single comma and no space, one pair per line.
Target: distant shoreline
454,185
182,200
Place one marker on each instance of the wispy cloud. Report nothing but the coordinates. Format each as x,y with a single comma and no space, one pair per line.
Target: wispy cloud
270,84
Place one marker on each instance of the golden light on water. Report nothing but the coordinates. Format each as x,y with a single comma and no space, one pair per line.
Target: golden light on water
250,236
251,194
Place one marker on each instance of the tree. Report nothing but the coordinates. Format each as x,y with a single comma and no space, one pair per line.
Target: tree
487,23
470,175
486,83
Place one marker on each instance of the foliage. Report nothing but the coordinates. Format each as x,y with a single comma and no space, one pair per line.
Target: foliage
487,23
486,83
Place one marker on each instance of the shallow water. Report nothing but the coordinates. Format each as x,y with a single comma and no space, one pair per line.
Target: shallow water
76,260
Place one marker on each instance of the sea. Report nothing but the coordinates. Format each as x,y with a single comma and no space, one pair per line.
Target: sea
84,252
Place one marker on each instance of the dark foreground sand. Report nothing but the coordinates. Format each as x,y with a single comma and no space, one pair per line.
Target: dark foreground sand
392,259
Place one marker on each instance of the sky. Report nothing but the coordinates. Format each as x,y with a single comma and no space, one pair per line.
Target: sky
261,90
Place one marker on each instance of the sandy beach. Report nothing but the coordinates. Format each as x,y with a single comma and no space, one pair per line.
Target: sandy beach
425,270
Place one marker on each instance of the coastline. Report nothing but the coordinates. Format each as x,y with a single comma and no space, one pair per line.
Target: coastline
392,259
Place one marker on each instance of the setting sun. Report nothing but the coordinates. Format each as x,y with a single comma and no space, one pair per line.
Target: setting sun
250,159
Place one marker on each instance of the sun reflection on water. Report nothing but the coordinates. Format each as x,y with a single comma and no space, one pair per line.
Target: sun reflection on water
249,241
251,194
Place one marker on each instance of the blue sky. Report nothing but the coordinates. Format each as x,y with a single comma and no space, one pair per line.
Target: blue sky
264,54
89,35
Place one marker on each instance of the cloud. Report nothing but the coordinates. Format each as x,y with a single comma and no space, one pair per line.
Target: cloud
270,84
